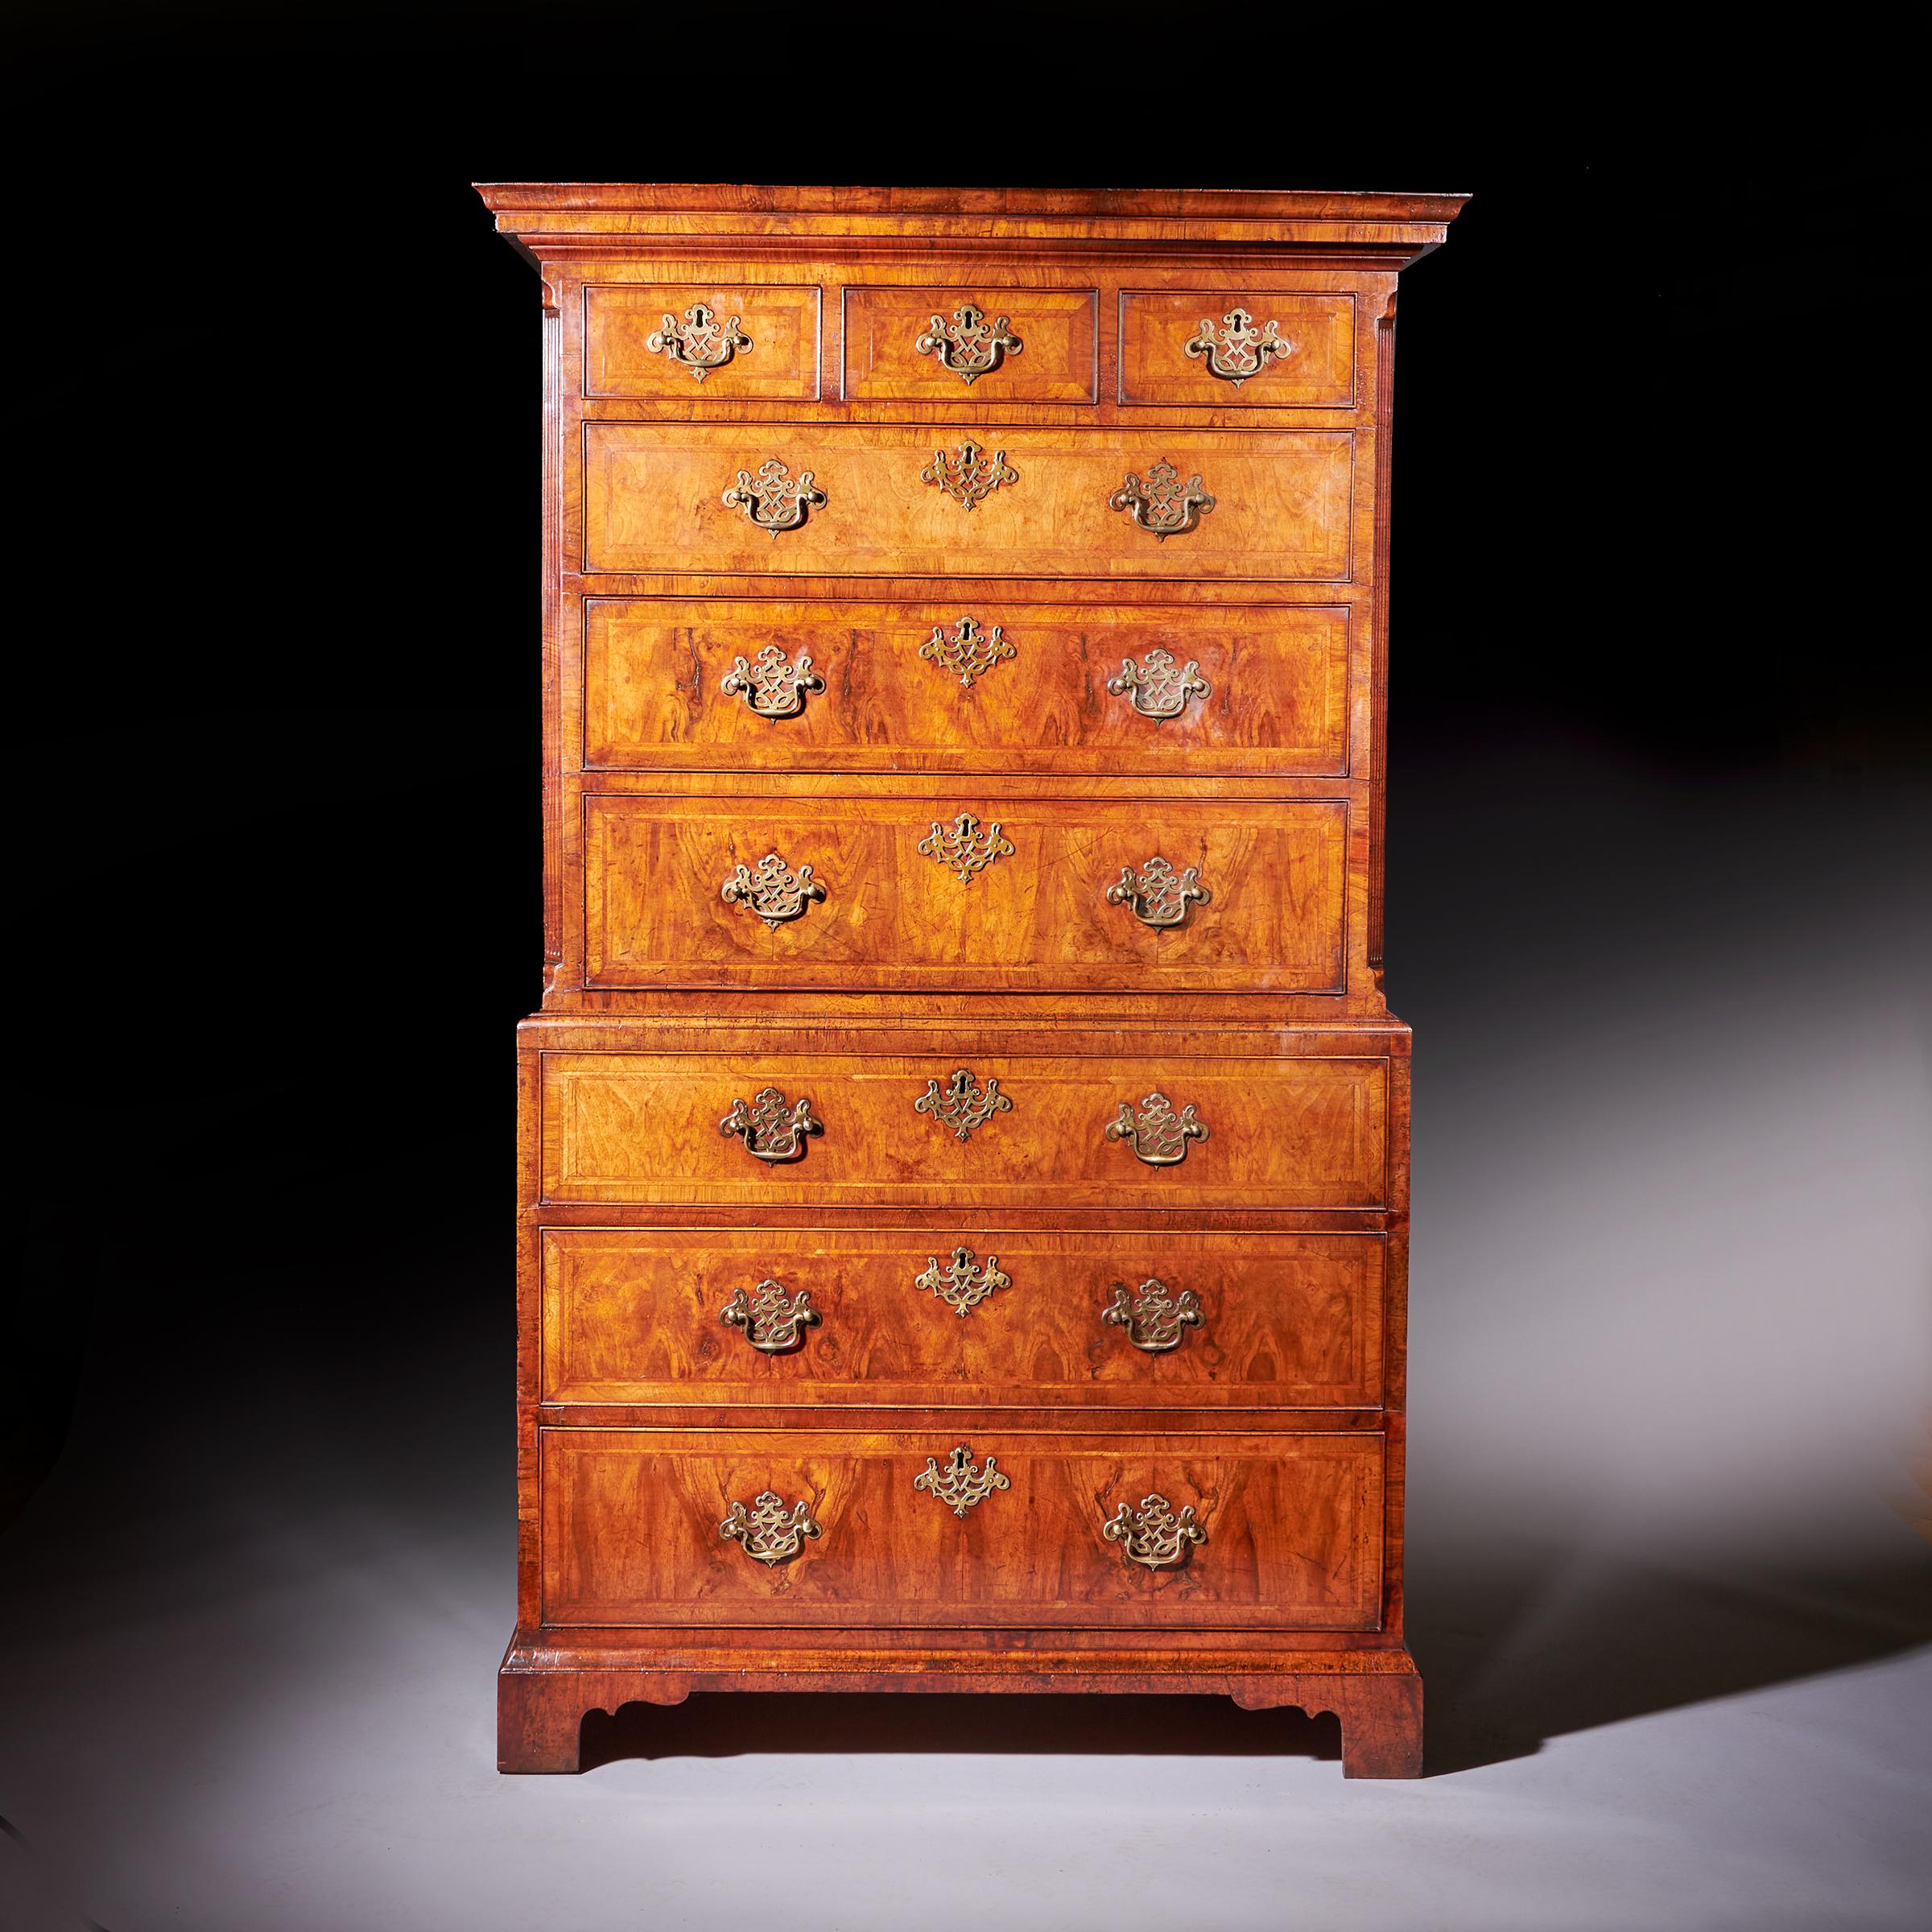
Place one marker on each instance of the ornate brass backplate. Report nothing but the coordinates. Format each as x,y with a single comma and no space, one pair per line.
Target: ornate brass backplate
963,1104
1159,895
1153,1536
959,1485
772,685
1235,349
1154,1319
774,499
963,1283
1159,688
1159,1135
775,892
772,1324
969,345
771,1128
700,342
968,652
964,847
768,1532
1163,506
971,476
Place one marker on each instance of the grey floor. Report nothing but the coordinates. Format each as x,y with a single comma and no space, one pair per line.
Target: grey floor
1670,1585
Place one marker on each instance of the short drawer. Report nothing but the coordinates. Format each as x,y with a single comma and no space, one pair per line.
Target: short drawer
1238,348
1039,895
978,684
980,1317
893,501
701,343
778,1528
995,346
960,1128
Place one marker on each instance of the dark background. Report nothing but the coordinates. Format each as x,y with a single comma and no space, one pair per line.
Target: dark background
273,727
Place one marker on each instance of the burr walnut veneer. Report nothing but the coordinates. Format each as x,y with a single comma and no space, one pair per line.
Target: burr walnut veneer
964,1171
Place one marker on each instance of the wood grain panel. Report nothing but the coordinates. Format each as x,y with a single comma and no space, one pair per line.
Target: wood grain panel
632,1316
1291,1132
1318,373
782,365
1056,328
893,916
653,671
630,1522
651,502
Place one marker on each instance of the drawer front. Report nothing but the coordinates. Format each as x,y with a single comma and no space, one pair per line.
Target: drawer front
974,685
653,501
678,343
945,345
976,893
974,1318
1235,363
1021,1130
1291,1526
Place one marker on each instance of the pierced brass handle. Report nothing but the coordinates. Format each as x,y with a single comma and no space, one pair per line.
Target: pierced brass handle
1159,895
1164,506
771,1128
959,1485
700,342
1153,1536
1159,1135
772,1324
969,345
774,686
773,499
767,1532
1155,1319
775,892
1158,688
1237,349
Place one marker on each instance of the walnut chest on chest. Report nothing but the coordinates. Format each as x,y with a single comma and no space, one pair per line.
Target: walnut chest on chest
963,1147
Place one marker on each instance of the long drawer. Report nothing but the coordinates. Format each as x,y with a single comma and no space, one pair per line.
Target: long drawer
771,1527
1036,1129
654,493
976,684
985,1319
1041,894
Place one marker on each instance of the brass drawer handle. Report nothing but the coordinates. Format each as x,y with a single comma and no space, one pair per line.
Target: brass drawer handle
965,847
964,1104
1159,895
1237,349
965,1282
767,1532
700,342
959,1485
772,1324
971,476
771,1128
1163,506
967,652
774,686
774,499
1153,1536
1160,1136
775,892
1155,1319
1158,688
969,345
